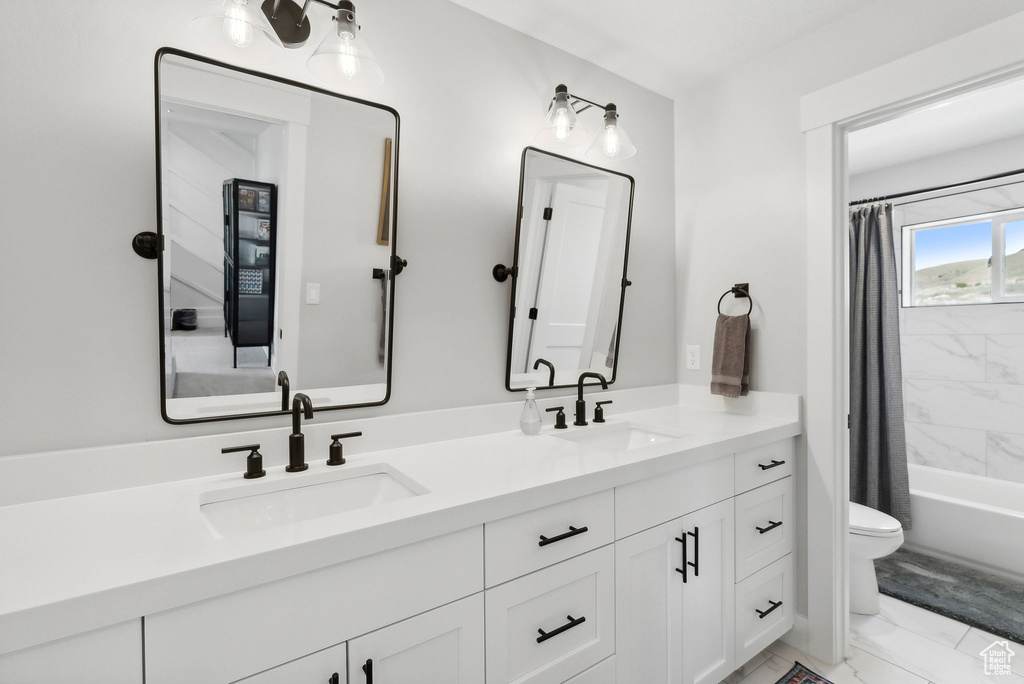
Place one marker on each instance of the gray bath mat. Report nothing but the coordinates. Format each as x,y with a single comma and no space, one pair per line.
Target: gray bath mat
979,599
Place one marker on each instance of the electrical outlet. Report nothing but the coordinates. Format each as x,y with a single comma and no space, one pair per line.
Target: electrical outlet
312,293
693,357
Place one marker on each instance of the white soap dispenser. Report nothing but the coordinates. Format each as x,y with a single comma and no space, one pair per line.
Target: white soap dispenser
530,421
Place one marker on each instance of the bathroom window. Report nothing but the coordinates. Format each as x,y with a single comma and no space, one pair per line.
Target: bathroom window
973,260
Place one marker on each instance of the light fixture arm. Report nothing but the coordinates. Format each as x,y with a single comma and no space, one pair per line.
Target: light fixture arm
575,100
590,103
305,8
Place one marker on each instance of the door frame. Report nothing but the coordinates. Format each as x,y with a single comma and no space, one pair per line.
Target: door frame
974,60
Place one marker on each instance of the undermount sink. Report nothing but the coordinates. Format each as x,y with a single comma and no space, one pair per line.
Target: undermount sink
625,437
259,505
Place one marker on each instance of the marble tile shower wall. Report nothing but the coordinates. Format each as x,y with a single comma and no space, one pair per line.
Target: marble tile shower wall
963,386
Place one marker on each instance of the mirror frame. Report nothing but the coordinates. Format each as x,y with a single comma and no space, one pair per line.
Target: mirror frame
515,270
394,260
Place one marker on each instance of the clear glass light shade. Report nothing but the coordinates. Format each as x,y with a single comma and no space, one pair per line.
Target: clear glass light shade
612,142
345,60
237,30
561,126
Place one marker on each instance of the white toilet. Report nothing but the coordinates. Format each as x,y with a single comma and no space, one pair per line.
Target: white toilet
873,534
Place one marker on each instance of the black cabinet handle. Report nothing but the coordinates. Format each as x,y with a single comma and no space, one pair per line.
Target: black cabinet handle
762,613
573,531
696,550
335,679
695,563
682,570
368,670
572,622
773,464
771,526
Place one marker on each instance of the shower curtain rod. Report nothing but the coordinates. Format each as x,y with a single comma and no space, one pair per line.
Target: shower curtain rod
937,187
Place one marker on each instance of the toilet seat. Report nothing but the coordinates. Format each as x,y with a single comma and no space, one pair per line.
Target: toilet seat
868,522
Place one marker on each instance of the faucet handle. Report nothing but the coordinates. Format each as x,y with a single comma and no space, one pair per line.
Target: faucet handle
337,457
599,410
559,417
253,463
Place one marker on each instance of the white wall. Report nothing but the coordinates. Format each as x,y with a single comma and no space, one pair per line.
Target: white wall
79,333
340,247
1000,156
741,184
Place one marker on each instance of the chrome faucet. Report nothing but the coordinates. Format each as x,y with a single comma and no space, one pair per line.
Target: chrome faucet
301,404
581,406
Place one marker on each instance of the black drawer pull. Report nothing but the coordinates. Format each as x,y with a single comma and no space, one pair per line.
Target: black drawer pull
368,670
335,679
773,464
762,613
544,636
573,531
772,525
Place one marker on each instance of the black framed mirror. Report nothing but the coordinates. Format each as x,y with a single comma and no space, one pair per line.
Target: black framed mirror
569,272
277,215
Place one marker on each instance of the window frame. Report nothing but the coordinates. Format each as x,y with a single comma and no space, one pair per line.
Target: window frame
998,220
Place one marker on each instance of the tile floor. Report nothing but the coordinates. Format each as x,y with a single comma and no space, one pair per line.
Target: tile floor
903,644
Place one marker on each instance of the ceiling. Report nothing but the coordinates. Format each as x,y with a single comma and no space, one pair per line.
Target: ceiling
981,117
666,46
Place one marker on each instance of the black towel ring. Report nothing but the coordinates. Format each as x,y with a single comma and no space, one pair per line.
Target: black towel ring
740,291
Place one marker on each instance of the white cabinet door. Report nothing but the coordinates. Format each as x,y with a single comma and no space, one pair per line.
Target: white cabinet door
648,606
674,600
709,595
442,646
323,667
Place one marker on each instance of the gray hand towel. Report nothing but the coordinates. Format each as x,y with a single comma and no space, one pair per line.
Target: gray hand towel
730,365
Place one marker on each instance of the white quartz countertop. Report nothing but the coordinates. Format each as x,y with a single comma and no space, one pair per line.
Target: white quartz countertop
79,563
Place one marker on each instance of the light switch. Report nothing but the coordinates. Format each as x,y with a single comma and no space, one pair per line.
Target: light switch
312,293
693,357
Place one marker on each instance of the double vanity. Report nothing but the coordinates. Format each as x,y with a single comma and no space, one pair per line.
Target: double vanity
656,547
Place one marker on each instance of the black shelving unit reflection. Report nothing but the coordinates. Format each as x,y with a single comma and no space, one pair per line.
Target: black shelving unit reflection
250,256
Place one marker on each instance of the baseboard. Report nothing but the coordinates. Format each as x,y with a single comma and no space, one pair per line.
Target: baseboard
799,636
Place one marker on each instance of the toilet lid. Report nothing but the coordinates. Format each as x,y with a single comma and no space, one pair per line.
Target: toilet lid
868,521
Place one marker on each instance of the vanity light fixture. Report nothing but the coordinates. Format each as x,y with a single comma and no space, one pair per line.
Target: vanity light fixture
343,57
247,31
238,29
612,142
563,127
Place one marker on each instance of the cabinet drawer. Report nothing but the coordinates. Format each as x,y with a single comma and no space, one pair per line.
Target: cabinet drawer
236,635
112,655
602,673
441,646
551,625
764,526
523,543
764,608
316,667
645,504
764,464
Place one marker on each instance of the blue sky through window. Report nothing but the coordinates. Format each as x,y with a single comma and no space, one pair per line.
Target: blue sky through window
947,245
1014,237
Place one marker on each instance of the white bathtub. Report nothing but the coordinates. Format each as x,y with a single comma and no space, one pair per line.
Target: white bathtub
977,519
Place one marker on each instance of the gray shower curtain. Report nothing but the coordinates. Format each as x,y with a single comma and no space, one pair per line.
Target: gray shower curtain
878,449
